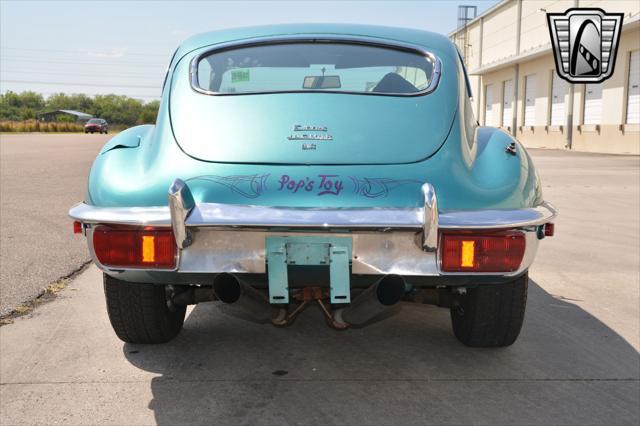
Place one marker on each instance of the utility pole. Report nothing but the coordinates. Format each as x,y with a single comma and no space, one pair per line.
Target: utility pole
568,134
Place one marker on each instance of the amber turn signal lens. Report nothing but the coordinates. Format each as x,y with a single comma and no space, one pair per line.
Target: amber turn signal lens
134,247
499,252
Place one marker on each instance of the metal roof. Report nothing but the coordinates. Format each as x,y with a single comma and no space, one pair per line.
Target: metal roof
72,112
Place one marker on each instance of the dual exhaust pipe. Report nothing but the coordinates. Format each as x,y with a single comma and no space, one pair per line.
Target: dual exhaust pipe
243,301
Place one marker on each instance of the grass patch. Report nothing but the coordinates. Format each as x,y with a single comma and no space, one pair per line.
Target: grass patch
56,287
40,126
23,309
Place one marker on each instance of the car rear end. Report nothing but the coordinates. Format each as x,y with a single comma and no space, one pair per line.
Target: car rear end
328,170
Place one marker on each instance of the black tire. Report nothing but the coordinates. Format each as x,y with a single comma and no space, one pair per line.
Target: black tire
490,315
139,312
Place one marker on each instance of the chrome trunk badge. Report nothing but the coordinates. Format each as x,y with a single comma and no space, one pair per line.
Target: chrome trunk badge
311,133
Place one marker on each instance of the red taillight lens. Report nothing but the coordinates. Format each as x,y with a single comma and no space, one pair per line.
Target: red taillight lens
135,248
77,227
549,229
500,252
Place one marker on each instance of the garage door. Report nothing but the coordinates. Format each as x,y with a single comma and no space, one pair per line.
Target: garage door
558,91
530,100
593,104
507,103
488,105
633,102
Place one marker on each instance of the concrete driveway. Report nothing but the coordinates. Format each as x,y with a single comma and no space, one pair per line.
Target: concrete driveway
576,361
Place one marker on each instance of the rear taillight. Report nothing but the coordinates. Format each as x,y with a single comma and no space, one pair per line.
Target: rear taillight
493,252
549,229
135,248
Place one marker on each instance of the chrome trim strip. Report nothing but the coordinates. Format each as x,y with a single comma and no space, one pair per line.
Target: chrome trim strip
136,216
498,218
324,38
248,216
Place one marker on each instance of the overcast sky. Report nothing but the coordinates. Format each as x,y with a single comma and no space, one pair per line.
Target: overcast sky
123,47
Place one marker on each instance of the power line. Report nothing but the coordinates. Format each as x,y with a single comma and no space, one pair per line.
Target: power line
94,74
128,64
51,83
81,52
81,60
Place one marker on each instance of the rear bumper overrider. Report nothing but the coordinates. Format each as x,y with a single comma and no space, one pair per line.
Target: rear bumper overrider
215,238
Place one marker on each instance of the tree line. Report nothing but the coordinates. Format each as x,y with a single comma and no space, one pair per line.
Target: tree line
116,109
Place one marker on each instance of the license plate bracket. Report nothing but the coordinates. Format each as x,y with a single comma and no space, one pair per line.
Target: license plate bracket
334,252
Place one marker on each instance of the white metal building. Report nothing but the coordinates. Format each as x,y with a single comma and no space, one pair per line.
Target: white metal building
508,55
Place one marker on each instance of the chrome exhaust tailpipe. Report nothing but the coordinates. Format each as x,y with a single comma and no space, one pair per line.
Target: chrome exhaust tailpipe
240,300
372,302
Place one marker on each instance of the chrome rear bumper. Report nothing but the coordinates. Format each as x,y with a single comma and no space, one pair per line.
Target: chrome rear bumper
215,238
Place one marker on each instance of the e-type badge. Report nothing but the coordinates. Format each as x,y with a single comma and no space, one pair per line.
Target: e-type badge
311,133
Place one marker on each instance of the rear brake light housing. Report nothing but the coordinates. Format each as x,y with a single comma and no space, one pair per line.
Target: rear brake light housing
491,252
77,227
137,248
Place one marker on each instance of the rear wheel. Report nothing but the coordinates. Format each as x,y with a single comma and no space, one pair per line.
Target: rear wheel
141,313
490,315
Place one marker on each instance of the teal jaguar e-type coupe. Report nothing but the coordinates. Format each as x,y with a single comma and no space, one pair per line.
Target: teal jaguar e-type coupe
339,166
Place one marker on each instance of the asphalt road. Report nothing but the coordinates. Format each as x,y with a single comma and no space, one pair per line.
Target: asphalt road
41,176
576,361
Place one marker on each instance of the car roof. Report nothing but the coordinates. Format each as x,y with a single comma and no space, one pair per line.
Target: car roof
405,35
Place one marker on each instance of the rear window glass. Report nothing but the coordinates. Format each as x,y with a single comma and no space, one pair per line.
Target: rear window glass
314,67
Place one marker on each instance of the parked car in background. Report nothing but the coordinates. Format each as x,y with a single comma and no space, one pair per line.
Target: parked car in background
333,165
96,125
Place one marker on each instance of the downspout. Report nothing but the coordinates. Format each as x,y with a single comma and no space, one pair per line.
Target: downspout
514,120
516,84
480,77
569,124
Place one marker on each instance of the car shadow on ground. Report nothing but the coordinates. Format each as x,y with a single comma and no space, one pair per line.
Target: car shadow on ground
566,367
